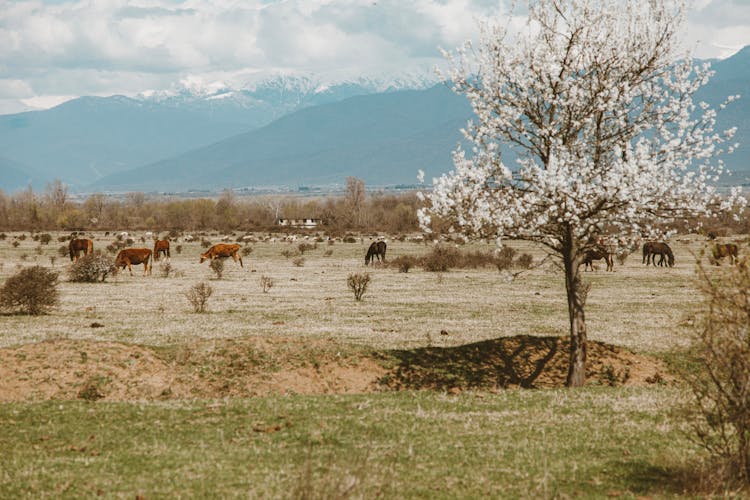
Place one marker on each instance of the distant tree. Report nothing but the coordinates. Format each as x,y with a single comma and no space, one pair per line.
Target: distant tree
355,199
599,107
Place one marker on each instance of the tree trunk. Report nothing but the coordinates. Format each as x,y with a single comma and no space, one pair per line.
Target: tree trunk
577,292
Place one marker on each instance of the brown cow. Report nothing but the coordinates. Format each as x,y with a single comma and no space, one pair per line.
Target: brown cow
222,251
161,247
128,256
76,246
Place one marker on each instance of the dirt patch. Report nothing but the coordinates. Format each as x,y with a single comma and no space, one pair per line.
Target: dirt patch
68,369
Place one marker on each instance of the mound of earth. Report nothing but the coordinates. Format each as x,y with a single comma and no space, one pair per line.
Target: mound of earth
81,369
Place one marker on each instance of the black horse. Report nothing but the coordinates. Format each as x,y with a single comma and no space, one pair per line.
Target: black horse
377,249
652,248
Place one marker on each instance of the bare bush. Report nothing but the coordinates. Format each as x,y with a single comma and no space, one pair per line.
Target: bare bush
247,251
357,283
217,266
403,263
304,247
524,261
165,269
198,296
299,261
91,268
504,258
441,259
45,238
32,290
266,283
622,256
178,249
720,411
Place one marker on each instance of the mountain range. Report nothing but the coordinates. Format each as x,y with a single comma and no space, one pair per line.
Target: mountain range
282,132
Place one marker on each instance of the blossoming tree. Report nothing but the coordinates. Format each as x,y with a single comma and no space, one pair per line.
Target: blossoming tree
599,109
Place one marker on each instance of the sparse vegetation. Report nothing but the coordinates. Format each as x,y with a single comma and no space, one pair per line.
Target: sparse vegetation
198,296
720,411
357,283
403,263
266,283
217,266
165,269
32,290
298,261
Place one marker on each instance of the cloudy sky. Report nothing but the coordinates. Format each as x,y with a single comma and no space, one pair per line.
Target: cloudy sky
52,50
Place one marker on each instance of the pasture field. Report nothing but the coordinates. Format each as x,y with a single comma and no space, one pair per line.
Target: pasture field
286,393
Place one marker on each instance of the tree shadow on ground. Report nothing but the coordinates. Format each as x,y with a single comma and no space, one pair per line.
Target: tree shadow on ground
521,361
504,362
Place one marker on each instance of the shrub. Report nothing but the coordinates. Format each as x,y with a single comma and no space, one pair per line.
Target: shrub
198,296
205,243
441,259
45,238
165,269
266,282
15,243
524,261
357,283
247,251
178,249
328,252
622,256
91,268
299,261
217,266
304,247
63,251
404,263
32,290
720,412
289,253
504,258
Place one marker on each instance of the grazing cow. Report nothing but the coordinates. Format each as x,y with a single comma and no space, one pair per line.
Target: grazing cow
721,250
129,256
377,249
598,253
222,251
76,246
161,247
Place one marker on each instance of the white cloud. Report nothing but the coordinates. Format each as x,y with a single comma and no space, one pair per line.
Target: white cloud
101,47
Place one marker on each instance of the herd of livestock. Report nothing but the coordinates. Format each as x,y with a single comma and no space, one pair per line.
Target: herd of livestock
128,257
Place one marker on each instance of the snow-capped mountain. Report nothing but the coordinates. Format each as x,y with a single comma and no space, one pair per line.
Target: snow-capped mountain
271,96
85,139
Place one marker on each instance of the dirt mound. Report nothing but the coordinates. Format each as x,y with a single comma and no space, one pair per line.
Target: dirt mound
68,369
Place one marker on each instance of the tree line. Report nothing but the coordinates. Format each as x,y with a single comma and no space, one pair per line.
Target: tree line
353,210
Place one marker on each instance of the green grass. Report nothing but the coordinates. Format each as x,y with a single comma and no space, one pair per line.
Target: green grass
586,443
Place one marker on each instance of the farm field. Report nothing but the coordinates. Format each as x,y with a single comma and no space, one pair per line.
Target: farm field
293,392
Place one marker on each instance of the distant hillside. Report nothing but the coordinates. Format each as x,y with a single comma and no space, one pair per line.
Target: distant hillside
286,131
85,139
14,176
732,78
381,138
